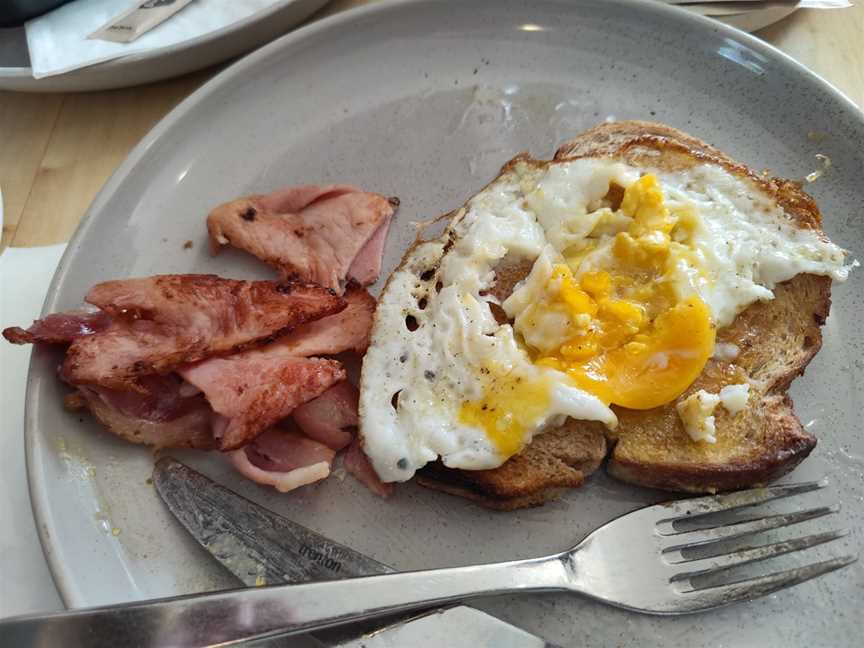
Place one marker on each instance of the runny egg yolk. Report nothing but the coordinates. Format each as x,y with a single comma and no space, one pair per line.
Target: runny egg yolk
634,341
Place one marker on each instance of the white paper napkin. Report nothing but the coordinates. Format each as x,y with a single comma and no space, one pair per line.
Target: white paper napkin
58,41
25,584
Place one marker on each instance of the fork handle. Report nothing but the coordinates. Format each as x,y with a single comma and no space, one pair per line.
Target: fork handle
236,615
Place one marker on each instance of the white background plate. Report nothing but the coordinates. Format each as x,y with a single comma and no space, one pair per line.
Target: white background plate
745,17
387,98
157,64
753,20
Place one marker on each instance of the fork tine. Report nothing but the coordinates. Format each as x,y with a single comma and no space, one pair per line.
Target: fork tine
744,590
702,566
684,539
688,508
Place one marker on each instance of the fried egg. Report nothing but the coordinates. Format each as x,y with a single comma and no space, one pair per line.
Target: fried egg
633,271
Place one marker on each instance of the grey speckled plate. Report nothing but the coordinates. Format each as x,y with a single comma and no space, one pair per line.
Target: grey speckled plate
425,100
157,64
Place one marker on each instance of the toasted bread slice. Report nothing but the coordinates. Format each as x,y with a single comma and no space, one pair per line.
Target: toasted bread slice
764,441
555,460
777,339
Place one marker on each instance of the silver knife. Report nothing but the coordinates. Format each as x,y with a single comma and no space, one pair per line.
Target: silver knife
260,547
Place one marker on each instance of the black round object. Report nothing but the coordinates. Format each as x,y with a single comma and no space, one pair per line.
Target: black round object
16,12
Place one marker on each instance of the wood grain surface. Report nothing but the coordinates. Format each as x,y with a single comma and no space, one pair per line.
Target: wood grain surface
57,150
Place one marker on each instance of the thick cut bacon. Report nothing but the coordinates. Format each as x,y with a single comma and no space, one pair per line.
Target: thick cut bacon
164,321
283,458
358,464
233,311
191,428
164,398
59,328
267,374
255,389
281,481
331,418
348,330
284,448
314,233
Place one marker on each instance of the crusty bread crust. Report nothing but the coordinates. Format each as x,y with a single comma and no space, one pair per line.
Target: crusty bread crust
650,448
555,460
640,142
777,340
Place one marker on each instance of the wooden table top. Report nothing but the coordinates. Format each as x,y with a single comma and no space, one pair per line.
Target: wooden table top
57,150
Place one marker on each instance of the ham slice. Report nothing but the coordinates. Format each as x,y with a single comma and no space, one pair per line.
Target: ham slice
366,266
59,328
255,389
348,330
331,418
293,200
164,321
358,464
315,233
284,459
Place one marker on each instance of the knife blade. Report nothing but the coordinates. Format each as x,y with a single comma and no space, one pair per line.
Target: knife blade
256,545
261,547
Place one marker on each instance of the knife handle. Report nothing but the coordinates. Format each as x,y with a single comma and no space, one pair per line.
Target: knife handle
236,615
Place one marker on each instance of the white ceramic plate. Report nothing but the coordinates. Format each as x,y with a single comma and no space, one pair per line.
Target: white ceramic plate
425,100
157,64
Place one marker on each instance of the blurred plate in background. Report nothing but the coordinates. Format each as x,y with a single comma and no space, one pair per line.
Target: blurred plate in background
157,64
747,16
751,21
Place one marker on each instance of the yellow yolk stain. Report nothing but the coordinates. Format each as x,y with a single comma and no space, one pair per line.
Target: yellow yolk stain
643,201
509,406
635,342
632,340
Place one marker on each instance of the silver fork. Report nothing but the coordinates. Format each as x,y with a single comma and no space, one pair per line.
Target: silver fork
638,561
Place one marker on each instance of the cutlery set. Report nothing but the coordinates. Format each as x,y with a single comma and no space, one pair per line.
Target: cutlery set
299,581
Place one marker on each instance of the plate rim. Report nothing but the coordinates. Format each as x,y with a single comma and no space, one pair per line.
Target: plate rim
153,55
39,498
